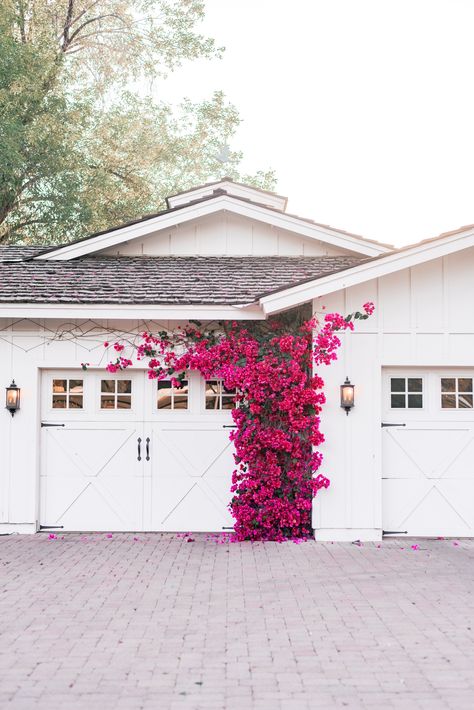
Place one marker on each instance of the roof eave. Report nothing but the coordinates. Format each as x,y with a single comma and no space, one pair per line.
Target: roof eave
397,260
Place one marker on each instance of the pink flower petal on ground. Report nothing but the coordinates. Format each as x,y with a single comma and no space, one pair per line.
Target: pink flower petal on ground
415,547
190,539
455,543
110,535
52,536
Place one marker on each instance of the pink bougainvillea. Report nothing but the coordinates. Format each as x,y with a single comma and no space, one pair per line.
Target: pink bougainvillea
277,435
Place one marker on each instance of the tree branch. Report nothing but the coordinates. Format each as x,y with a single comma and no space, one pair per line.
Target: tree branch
67,25
91,21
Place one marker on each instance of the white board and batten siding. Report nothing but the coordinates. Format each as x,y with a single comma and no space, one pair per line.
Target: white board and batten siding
224,234
417,477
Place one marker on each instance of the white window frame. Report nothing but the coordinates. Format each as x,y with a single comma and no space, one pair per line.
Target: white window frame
218,397
406,377
115,393
456,377
174,391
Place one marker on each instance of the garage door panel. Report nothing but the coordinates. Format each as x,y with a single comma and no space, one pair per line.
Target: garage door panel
422,510
396,460
459,493
193,451
420,452
90,478
57,493
88,450
199,509
428,475
192,476
99,508
400,500
460,466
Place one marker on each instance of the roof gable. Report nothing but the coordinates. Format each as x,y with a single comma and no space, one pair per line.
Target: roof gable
238,189
217,201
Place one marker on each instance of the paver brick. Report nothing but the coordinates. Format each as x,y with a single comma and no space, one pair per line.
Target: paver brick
115,623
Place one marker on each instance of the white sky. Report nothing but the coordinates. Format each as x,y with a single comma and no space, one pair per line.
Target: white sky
365,108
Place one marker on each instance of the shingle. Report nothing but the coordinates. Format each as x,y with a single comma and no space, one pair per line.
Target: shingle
156,280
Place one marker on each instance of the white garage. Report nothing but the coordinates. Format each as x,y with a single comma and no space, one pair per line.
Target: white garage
87,450
126,453
428,452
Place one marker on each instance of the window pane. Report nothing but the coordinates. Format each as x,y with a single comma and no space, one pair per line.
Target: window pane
228,403
398,384
164,394
59,401
465,384
76,386
180,391
415,384
107,386
448,384
124,386
59,385
465,401
107,402
415,401
398,401
226,391
448,401
212,387
75,401
124,401
180,401
212,402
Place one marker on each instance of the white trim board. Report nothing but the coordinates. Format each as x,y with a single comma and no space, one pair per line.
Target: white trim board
132,312
219,203
395,261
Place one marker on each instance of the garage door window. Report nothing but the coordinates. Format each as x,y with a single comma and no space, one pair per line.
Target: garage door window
170,397
456,392
115,394
406,393
218,397
68,394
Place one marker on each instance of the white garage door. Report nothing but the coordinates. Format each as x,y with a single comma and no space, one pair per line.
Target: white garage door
428,452
120,452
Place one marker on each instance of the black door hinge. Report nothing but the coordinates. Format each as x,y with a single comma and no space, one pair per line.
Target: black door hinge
51,527
46,424
384,424
394,532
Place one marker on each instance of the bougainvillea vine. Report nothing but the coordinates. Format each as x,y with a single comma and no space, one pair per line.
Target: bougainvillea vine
279,399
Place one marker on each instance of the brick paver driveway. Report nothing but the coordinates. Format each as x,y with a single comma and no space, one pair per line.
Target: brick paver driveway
156,622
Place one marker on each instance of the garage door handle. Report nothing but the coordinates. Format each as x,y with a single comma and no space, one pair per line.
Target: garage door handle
139,457
148,448
384,424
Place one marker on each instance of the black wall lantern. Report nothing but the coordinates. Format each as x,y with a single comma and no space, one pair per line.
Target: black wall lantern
13,398
347,395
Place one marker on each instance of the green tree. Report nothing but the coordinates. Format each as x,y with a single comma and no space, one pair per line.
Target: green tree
79,151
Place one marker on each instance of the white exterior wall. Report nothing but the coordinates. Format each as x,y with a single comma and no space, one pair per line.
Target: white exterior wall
424,317
227,234
26,348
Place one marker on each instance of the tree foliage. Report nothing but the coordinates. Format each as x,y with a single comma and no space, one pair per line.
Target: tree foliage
79,151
